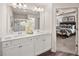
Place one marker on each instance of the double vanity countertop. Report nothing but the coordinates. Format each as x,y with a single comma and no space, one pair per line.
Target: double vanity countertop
21,35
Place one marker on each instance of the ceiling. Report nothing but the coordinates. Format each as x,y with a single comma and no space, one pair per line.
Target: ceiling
60,11
43,5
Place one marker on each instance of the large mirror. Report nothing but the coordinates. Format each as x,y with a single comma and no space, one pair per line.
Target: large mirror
22,14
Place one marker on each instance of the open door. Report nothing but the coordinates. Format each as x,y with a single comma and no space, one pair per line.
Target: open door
78,33
67,30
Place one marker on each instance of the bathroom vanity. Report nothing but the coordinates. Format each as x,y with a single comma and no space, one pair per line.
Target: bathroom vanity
34,38
25,44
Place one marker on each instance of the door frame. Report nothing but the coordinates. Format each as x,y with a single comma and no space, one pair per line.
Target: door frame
77,15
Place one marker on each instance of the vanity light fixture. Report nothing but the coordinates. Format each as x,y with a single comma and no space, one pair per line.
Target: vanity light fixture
24,6
42,9
19,5
38,9
34,9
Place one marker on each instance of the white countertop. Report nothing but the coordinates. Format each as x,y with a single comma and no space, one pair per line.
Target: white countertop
17,36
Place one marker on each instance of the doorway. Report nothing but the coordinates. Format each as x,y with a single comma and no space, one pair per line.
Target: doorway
66,30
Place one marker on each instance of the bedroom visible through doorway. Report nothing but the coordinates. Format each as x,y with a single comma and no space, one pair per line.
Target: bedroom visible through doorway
66,25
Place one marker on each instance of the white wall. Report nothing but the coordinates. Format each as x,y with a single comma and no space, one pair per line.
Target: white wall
60,17
46,18
3,18
42,19
59,5
47,22
0,18
9,18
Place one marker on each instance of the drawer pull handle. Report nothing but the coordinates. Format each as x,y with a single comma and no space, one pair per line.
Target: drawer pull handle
43,40
20,46
6,44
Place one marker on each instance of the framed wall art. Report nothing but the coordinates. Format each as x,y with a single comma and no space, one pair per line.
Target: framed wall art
71,18
65,19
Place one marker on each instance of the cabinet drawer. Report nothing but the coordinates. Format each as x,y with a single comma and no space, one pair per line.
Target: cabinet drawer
21,41
16,42
6,44
26,40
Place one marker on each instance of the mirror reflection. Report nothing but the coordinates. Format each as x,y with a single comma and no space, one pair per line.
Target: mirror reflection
25,17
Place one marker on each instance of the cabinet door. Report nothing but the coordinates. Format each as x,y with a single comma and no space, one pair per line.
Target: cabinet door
11,51
42,43
47,42
28,48
39,45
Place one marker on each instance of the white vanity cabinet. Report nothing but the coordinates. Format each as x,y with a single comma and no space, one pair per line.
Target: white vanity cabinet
47,42
39,45
26,46
19,47
12,51
42,43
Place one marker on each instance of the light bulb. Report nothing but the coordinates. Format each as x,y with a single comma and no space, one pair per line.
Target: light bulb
24,6
35,9
19,6
40,9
